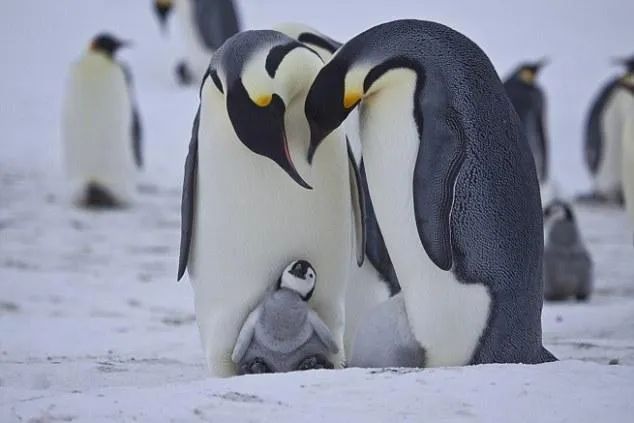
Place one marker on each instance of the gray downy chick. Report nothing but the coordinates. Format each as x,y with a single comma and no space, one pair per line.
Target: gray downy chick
568,268
283,333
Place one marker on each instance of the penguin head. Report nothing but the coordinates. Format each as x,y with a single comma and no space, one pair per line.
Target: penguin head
107,44
527,72
300,277
162,8
262,75
559,223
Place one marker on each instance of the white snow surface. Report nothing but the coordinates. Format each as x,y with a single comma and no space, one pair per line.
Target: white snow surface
93,326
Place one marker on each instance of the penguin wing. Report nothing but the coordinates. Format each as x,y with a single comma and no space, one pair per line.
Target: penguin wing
246,335
358,205
593,141
136,130
375,248
187,203
216,21
540,102
440,155
322,331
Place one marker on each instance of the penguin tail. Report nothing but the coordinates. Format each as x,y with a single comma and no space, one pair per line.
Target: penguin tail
547,356
98,197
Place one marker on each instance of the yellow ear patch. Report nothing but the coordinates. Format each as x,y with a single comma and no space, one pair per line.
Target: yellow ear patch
527,75
263,100
163,2
351,98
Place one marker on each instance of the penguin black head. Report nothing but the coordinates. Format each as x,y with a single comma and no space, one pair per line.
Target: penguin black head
107,44
628,62
527,72
261,74
162,8
559,210
300,277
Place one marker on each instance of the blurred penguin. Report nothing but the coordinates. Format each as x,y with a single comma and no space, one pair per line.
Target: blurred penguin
101,129
608,135
567,263
205,25
529,102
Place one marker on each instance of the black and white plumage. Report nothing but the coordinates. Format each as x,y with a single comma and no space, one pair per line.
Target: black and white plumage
530,104
568,268
205,25
606,127
375,281
282,333
453,185
101,127
250,198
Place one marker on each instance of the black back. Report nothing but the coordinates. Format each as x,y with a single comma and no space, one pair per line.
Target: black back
594,137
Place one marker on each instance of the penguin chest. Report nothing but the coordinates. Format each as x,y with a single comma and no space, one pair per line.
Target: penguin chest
447,317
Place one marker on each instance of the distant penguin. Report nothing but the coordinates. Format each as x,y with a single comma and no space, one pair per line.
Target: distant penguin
567,263
246,207
529,102
627,139
101,128
205,25
283,334
375,281
605,132
453,184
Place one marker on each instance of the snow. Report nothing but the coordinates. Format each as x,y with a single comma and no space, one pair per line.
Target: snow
94,327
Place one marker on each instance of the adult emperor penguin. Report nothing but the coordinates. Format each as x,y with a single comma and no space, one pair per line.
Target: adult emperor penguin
246,210
453,185
530,104
627,137
101,128
375,281
605,131
205,25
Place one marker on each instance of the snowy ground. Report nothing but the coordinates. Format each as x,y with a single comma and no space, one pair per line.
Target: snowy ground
93,326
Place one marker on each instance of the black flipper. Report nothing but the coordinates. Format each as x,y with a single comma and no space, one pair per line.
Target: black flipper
440,156
136,130
358,206
188,202
216,20
594,138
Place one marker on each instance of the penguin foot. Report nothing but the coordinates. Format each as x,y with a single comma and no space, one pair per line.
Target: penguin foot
184,74
98,197
255,366
315,362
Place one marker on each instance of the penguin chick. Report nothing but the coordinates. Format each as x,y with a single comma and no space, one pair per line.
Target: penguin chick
567,263
283,333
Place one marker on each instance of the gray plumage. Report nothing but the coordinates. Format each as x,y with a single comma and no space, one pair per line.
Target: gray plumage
384,336
283,332
215,20
568,268
529,102
476,194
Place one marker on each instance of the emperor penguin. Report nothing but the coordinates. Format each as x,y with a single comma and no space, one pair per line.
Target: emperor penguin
247,209
453,184
204,25
567,263
375,281
283,333
529,102
606,128
101,128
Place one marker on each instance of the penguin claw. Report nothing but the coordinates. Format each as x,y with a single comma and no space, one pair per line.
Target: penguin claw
315,362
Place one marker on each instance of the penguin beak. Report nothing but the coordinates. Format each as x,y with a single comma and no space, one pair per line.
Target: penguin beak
260,127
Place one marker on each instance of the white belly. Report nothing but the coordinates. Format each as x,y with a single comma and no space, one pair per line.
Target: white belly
609,174
628,164
251,219
96,129
447,317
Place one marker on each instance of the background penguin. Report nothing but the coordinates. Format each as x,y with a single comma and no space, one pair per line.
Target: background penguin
454,189
246,209
375,281
627,84
283,334
567,263
101,128
530,104
605,131
205,25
